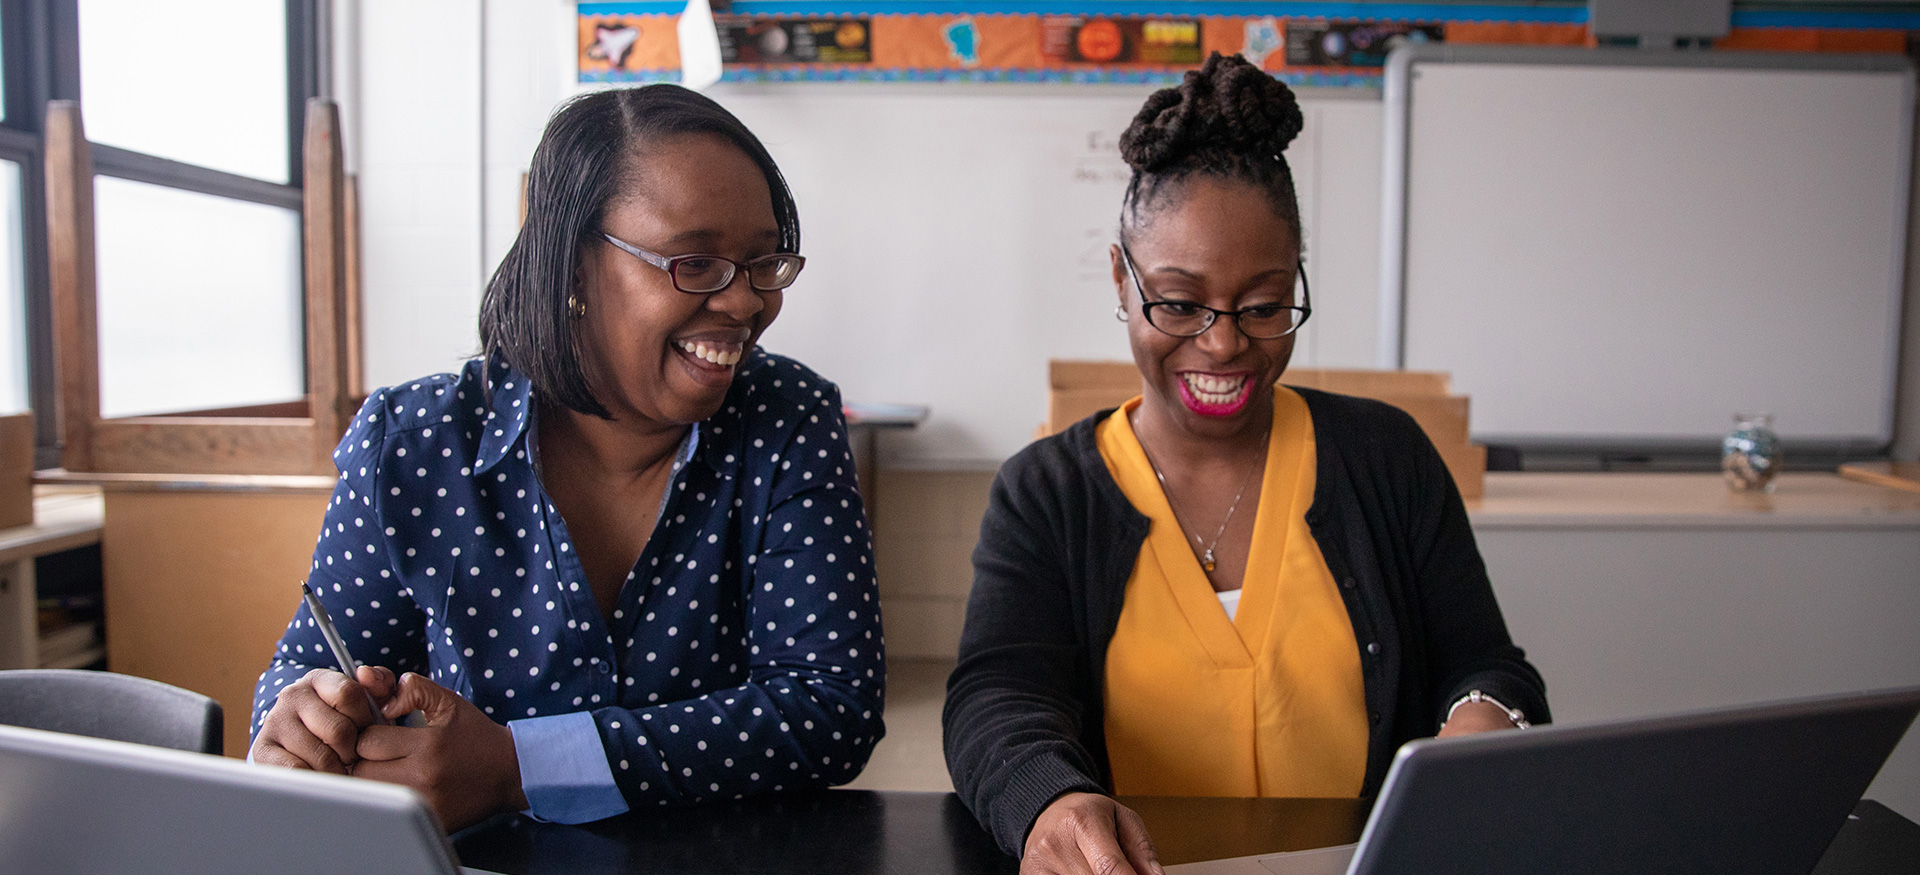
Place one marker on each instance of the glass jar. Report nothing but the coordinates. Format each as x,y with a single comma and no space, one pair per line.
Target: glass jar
1750,454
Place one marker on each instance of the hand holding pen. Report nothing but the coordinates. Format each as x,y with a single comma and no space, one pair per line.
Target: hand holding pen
348,665
481,781
464,763
316,722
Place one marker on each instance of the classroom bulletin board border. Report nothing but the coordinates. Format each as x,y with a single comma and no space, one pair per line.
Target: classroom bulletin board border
1306,44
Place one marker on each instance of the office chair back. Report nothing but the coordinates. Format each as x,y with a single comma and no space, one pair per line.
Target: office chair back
112,706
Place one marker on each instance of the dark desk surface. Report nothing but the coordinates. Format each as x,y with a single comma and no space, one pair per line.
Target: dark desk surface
845,832
850,832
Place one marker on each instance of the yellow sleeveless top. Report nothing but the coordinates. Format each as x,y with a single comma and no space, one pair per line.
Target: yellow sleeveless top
1269,703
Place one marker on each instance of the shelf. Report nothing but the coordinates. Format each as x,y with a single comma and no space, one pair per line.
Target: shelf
65,517
79,660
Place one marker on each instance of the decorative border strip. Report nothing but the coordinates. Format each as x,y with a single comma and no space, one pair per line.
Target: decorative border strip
1571,14
1108,76
1574,13
1835,20
1306,44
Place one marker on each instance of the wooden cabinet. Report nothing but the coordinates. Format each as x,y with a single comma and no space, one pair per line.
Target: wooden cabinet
202,575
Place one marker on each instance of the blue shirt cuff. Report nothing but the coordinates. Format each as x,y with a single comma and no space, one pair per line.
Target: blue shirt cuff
563,769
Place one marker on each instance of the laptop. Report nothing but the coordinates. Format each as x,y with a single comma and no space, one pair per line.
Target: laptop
1754,790
72,804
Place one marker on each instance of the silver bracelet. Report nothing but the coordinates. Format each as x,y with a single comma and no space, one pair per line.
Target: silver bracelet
1518,717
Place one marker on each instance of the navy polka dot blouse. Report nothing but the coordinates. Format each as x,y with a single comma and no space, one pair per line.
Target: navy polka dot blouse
745,653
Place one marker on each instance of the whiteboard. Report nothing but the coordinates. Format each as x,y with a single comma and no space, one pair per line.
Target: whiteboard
1623,248
956,239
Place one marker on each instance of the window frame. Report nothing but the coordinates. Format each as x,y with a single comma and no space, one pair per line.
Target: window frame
40,59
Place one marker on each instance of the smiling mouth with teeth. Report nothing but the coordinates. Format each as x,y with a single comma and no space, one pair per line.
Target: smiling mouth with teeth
724,356
1213,391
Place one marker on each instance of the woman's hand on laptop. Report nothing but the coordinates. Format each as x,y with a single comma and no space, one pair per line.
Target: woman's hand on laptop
315,722
1088,834
458,758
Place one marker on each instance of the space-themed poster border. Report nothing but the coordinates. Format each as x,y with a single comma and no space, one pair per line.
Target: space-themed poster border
1308,44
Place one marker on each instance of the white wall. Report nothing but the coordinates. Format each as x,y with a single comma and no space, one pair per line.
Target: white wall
412,81
1906,420
444,101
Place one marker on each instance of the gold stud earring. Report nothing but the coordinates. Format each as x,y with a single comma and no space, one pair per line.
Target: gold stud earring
576,306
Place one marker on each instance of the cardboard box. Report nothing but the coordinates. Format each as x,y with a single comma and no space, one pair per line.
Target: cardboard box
1077,389
16,470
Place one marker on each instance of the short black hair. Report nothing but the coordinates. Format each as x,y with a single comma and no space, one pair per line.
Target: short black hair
578,168
1227,120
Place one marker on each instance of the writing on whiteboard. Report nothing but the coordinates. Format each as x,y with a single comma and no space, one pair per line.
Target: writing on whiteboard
1099,164
1099,161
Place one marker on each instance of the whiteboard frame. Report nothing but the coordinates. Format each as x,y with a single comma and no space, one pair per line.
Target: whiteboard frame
1397,96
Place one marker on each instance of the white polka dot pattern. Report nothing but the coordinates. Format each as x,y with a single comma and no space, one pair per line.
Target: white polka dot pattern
745,654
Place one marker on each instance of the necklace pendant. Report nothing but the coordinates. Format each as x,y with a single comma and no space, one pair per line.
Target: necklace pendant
1206,560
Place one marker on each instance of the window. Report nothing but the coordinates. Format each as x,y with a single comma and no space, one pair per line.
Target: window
234,265
197,81
193,108
14,394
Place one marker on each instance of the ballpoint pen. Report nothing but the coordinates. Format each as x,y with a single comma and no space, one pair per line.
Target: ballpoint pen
339,646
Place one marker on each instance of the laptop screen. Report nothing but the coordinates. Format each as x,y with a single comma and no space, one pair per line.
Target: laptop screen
84,805
1753,790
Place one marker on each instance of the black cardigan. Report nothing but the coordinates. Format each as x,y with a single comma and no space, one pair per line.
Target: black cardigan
1023,718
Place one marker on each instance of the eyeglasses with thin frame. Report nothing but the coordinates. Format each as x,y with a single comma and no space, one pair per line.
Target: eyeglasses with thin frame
1188,319
699,274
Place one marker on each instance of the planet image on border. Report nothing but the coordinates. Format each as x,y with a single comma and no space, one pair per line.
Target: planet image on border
1334,44
772,42
849,35
1099,40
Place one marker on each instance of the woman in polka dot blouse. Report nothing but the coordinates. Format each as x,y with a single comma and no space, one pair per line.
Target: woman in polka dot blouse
619,560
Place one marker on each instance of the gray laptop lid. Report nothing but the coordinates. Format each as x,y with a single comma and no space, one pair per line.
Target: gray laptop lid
1753,790
70,804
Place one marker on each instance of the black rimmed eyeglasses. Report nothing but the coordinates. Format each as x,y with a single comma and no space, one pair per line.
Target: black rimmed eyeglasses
706,274
1188,319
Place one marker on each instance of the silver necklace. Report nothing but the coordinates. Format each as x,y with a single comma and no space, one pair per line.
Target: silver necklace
1206,556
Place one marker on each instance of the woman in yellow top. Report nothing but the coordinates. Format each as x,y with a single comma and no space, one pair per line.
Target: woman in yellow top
1226,587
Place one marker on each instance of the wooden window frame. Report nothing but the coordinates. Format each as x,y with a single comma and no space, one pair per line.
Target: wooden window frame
296,437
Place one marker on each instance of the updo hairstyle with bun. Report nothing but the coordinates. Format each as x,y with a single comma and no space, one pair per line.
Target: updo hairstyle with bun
1228,120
